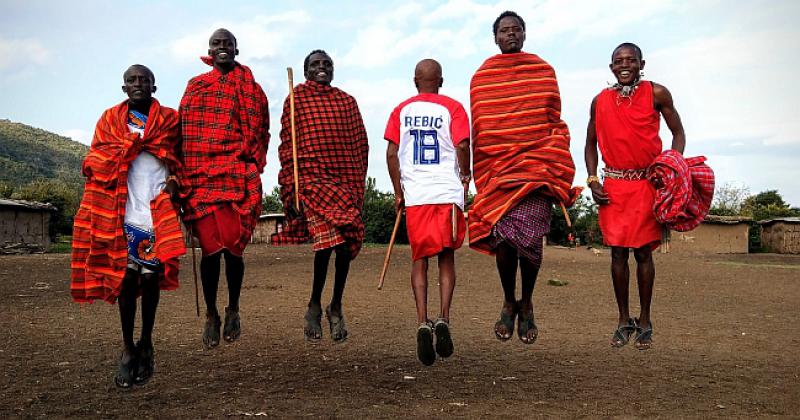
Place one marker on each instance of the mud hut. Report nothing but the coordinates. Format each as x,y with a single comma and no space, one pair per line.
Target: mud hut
781,235
267,225
716,235
24,226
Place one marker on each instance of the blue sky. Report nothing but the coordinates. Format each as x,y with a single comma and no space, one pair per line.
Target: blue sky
730,65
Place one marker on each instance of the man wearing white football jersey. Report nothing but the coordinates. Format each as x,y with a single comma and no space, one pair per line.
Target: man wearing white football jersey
429,162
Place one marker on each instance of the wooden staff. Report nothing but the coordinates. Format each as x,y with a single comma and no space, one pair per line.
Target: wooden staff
194,270
389,250
569,222
294,140
454,222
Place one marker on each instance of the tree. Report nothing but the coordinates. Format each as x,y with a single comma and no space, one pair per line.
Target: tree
729,200
583,215
767,205
272,201
58,193
379,216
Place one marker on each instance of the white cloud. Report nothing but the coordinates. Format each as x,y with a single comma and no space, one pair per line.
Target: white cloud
260,38
16,52
78,134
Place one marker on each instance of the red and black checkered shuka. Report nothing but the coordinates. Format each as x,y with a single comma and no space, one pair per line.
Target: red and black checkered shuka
225,130
332,151
683,201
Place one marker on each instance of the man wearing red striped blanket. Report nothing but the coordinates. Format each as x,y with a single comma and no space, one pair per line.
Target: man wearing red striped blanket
522,165
127,237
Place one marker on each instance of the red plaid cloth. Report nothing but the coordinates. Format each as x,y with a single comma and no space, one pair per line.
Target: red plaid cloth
332,151
99,246
683,202
225,129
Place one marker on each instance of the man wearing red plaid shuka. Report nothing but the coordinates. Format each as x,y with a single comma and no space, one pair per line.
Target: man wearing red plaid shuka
624,124
332,168
225,130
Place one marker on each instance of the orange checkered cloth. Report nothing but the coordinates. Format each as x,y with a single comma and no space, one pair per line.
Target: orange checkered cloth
99,247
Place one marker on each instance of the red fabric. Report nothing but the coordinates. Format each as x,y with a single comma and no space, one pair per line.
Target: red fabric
627,128
225,129
332,151
683,202
99,247
323,233
627,135
520,144
220,230
430,229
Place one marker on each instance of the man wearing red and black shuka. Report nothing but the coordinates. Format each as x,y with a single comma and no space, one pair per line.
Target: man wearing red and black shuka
624,124
225,129
332,165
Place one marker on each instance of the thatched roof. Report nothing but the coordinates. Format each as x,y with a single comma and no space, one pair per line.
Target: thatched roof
23,204
726,220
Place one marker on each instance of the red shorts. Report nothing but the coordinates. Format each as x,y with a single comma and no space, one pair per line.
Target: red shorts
220,230
430,229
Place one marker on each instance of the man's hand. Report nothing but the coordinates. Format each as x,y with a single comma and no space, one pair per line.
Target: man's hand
598,193
172,189
399,203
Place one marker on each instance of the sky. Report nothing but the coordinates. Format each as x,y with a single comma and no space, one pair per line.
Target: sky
730,65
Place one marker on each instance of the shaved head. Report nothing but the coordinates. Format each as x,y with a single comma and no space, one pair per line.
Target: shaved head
139,67
222,33
428,76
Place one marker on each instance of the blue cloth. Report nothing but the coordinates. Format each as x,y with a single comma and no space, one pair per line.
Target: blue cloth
141,243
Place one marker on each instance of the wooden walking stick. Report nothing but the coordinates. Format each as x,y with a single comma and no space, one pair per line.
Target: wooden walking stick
454,223
294,140
389,250
194,270
569,223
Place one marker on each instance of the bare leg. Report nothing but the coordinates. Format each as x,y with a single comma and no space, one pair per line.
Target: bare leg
127,307
321,260
151,294
419,285
645,276
506,259
528,272
342,263
447,281
209,275
234,273
620,275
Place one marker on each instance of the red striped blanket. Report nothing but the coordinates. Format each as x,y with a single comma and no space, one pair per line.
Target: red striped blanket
99,247
520,143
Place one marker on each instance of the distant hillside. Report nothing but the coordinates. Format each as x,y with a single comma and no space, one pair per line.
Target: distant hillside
28,154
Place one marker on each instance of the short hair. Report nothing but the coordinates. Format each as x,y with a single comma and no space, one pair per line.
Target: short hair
505,14
235,43
141,66
308,57
631,45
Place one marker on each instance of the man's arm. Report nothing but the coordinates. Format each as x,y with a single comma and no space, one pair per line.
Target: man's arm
591,158
663,103
463,154
393,162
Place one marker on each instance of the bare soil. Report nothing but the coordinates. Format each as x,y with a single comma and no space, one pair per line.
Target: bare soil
725,344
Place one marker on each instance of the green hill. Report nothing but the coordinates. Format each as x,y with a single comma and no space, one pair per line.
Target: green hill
28,154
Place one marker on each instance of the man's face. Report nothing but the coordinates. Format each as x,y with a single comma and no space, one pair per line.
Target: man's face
222,48
626,65
320,69
138,85
510,35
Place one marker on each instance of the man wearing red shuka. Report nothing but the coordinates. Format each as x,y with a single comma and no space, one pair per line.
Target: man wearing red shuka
624,124
428,158
225,129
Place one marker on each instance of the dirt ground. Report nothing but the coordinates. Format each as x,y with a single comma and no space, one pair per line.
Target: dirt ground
725,344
